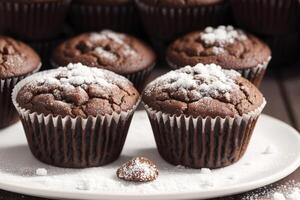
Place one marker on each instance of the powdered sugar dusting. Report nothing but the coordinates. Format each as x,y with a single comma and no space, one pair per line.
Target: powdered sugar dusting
115,37
139,169
204,80
288,191
221,36
80,75
106,54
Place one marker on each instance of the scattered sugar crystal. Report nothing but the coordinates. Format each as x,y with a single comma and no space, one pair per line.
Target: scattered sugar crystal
204,80
41,172
278,196
269,150
82,185
232,177
106,54
294,194
218,50
222,35
115,37
180,167
107,34
205,171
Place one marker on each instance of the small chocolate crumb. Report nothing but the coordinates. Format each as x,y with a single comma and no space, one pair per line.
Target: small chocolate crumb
139,169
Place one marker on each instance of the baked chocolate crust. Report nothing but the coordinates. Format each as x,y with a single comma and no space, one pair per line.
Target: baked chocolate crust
240,51
16,58
78,90
203,90
117,52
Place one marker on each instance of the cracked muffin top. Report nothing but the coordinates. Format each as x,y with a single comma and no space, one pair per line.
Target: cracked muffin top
77,90
16,58
228,47
203,90
180,3
113,51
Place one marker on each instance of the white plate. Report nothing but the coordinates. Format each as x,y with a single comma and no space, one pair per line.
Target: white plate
255,169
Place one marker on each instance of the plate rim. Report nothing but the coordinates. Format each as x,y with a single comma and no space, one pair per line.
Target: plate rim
236,189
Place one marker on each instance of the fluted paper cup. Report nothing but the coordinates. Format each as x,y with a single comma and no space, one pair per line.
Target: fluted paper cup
167,23
202,142
8,114
91,17
32,20
274,17
73,142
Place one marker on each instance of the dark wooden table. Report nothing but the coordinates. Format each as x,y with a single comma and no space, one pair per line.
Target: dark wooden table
282,91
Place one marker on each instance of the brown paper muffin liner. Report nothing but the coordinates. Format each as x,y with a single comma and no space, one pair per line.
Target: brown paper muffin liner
265,16
92,17
202,142
73,142
166,24
139,78
32,20
255,75
8,114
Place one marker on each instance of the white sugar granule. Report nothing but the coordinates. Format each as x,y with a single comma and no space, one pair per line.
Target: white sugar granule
218,50
269,150
278,196
203,80
41,172
79,75
107,34
294,194
221,36
115,37
205,171
82,184
289,191
106,54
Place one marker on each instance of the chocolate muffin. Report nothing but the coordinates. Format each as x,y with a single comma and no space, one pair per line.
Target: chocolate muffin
270,17
120,53
228,47
76,116
32,20
165,20
202,116
17,60
94,15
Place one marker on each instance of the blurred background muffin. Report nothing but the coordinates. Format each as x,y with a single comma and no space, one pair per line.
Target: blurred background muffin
120,53
225,46
17,60
164,20
96,15
33,20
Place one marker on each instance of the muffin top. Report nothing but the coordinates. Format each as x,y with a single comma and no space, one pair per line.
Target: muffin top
16,58
203,90
180,3
113,51
228,47
77,90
